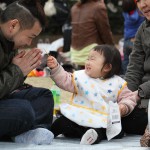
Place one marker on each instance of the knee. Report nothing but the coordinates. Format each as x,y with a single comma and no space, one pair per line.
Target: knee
21,117
25,113
48,98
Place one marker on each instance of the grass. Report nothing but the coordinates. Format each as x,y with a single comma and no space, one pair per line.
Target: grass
46,82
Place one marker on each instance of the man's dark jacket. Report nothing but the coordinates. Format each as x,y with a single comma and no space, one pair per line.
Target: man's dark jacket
11,77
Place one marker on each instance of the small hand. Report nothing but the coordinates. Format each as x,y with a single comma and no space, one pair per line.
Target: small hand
29,61
52,62
122,109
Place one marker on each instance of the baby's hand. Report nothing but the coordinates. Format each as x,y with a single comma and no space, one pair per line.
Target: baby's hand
51,62
122,109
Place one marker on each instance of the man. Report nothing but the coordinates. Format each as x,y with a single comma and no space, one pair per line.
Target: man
25,112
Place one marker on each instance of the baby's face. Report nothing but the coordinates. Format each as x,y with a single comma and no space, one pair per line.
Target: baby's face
94,64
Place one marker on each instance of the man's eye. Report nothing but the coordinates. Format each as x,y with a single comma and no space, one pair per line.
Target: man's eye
31,37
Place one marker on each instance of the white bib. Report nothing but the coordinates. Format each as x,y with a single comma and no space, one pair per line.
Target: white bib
89,106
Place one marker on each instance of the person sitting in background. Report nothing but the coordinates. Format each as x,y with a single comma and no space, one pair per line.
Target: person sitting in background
90,26
86,115
132,21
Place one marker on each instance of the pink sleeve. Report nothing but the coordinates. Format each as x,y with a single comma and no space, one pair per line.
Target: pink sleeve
129,99
62,78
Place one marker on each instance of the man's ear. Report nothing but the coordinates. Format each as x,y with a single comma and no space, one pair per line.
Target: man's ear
14,25
107,68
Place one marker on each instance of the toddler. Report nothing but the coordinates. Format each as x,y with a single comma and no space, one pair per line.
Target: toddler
86,115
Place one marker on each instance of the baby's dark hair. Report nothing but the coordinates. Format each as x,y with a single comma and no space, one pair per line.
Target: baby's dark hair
112,56
26,11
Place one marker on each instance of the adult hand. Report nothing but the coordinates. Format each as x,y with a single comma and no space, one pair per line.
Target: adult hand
29,61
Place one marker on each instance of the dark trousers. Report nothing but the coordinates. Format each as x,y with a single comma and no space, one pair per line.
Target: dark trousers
64,126
136,122
24,110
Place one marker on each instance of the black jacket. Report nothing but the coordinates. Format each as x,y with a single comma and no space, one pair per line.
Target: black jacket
138,70
11,77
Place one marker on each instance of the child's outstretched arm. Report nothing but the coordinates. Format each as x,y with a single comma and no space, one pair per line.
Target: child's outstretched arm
62,78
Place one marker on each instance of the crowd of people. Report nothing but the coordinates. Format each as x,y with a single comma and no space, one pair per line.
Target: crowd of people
26,112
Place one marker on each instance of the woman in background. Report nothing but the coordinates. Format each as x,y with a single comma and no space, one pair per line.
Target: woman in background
90,26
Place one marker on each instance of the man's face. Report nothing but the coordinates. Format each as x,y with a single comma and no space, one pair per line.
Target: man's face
24,37
144,7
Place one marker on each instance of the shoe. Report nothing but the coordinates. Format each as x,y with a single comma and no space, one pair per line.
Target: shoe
38,136
89,137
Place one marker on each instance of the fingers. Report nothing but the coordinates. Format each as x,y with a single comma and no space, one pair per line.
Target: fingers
29,61
50,59
38,57
32,54
122,109
33,57
51,62
35,65
21,54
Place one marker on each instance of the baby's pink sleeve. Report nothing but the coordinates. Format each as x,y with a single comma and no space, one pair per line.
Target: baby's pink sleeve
129,99
63,79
